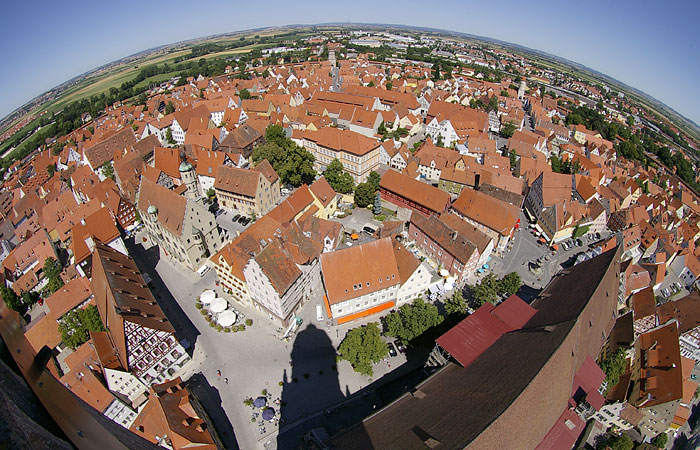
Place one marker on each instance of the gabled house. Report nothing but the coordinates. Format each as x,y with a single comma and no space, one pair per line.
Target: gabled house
139,334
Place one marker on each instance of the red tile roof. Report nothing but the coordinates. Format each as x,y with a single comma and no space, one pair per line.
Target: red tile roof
473,335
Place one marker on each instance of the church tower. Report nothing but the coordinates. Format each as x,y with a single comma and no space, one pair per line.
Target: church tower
189,177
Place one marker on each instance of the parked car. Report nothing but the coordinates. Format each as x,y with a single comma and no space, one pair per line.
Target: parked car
392,349
242,218
678,286
579,242
235,218
245,221
203,270
665,292
401,348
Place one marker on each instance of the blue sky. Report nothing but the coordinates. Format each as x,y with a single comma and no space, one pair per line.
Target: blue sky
652,46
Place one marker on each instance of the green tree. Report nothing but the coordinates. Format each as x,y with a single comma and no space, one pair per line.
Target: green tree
660,440
555,161
211,193
273,153
76,325
439,142
244,94
275,134
507,130
12,300
436,71
51,169
412,320
620,442
29,298
169,108
374,179
510,284
614,365
389,85
370,84
493,104
52,271
377,208
364,194
486,291
108,169
513,159
382,129
298,168
169,136
456,304
362,347
266,73
338,178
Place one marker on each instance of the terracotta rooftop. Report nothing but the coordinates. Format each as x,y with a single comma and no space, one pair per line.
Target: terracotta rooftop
373,268
239,181
342,141
495,214
423,194
171,207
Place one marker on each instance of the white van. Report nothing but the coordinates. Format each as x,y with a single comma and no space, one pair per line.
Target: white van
203,270
319,313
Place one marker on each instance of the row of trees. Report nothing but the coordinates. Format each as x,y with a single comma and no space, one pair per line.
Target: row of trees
491,289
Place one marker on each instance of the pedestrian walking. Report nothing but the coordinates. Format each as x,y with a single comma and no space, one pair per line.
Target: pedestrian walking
226,380
218,373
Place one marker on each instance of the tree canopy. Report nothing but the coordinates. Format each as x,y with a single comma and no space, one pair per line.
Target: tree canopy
660,440
490,288
364,194
75,326
293,164
456,304
507,130
338,178
108,170
374,179
412,320
620,442
614,365
12,300
362,347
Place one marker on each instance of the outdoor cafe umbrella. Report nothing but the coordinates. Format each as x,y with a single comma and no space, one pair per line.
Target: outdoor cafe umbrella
260,402
226,318
268,414
218,305
207,296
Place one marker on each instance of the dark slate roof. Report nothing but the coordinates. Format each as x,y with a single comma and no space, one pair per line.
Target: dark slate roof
133,298
239,138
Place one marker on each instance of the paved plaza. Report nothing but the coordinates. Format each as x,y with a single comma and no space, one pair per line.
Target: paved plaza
257,358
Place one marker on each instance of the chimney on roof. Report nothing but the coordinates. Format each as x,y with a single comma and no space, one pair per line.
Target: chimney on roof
454,235
82,221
